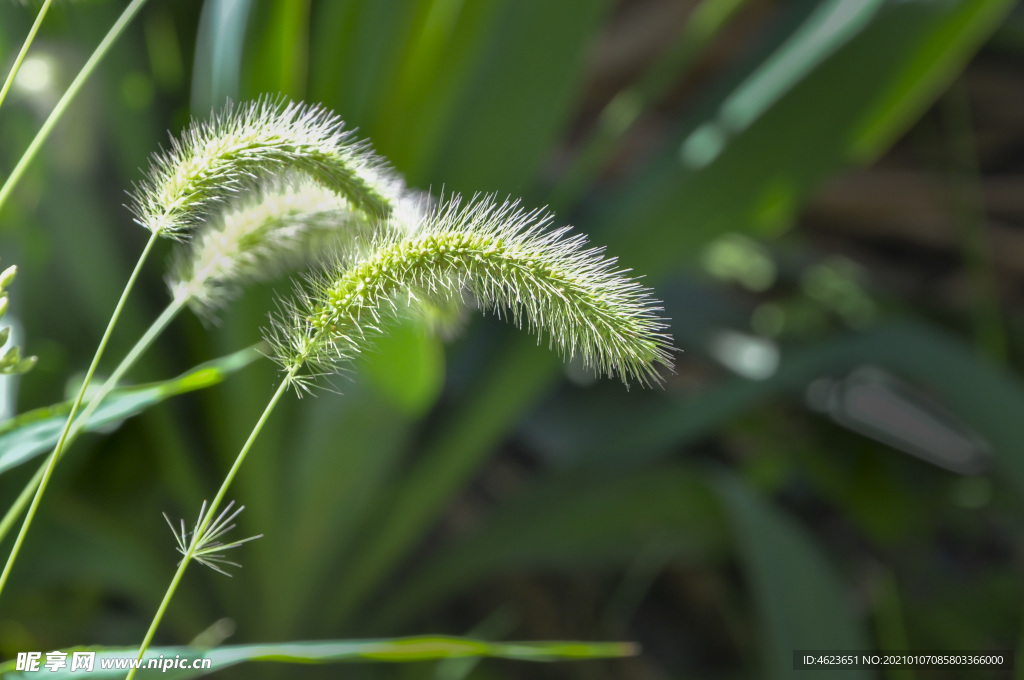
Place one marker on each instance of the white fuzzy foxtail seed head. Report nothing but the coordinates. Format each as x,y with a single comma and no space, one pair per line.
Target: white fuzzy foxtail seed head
508,260
260,233
214,159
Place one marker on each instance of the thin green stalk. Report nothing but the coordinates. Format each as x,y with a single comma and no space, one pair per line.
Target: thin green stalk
210,514
24,50
157,327
51,463
58,111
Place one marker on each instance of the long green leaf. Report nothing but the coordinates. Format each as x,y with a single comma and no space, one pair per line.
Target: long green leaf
35,432
521,83
802,601
356,51
342,456
414,501
848,77
391,650
218,56
279,61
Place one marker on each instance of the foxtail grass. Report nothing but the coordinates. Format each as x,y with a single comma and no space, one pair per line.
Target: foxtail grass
254,237
209,164
284,222
505,259
508,261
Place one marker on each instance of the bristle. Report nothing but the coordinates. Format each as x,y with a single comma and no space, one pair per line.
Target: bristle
510,261
212,160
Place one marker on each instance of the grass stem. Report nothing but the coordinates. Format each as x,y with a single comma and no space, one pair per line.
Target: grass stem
208,517
29,39
58,111
51,462
157,327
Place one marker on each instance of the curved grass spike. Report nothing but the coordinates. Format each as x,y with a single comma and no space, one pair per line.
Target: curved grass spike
213,160
208,164
507,259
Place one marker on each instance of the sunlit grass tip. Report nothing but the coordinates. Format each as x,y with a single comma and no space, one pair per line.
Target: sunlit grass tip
214,159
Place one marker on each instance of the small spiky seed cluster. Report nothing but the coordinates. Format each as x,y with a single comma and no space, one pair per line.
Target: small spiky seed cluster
11,362
259,234
510,261
209,549
215,159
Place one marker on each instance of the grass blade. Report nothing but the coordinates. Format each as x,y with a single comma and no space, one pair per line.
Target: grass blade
804,111
36,432
803,603
390,650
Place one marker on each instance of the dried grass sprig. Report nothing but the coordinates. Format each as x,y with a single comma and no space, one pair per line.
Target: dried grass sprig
213,159
509,260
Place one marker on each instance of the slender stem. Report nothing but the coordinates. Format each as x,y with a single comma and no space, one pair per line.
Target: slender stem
157,327
51,463
210,514
24,50
58,111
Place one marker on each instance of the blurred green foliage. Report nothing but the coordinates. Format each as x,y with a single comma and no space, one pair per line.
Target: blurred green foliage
762,502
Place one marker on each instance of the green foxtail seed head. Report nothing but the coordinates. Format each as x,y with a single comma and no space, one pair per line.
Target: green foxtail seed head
260,233
505,258
214,159
11,362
